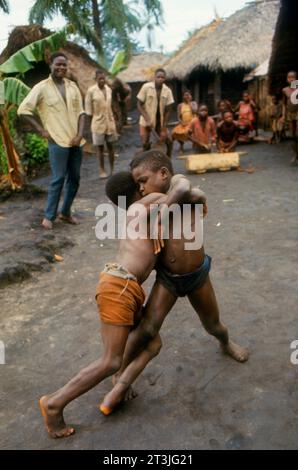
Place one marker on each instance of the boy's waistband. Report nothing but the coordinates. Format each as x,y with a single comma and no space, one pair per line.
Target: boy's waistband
117,270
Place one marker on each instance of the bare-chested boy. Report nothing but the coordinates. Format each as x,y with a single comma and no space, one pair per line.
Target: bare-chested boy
290,109
120,298
180,273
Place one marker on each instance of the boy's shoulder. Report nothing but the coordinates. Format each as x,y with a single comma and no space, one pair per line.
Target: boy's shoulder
175,180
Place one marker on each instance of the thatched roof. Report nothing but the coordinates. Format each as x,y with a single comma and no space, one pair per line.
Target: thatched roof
261,71
81,67
285,42
142,66
243,40
182,62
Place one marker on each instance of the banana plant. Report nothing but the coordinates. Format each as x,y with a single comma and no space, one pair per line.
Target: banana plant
13,91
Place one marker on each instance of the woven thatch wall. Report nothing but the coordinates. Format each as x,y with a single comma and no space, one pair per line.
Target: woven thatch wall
285,46
242,41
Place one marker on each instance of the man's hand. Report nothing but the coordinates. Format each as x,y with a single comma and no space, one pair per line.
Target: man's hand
164,134
75,142
45,134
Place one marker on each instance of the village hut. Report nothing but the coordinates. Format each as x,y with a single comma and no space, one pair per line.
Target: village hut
141,69
81,67
284,56
215,60
257,83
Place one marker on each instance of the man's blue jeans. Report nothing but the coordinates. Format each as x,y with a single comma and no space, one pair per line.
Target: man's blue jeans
65,165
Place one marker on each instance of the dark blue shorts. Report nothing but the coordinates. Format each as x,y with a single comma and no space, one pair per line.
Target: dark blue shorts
181,285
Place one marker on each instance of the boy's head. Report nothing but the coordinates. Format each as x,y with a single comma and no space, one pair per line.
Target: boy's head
160,77
246,96
203,111
292,76
187,96
228,117
222,106
122,184
100,78
152,171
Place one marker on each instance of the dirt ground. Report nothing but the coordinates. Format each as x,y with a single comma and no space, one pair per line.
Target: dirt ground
191,396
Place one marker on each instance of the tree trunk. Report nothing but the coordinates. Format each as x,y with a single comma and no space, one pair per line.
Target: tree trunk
97,24
15,170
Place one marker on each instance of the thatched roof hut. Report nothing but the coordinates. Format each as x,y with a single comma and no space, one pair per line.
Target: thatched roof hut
142,66
81,67
141,69
242,41
285,42
182,62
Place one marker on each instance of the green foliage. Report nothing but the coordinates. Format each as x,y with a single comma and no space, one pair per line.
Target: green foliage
37,149
101,22
4,6
14,91
23,60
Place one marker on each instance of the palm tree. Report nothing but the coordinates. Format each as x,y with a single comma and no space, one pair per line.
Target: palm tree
4,6
97,20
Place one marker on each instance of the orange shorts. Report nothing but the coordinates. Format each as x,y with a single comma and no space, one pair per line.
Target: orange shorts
119,300
145,132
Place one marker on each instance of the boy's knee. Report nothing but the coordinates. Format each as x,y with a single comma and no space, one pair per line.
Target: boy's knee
149,332
112,365
154,347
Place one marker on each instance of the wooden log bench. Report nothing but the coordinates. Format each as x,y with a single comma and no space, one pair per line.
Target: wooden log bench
201,163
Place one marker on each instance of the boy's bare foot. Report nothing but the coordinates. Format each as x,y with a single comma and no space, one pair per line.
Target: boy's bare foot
54,421
69,219
47,224
236,352
115,398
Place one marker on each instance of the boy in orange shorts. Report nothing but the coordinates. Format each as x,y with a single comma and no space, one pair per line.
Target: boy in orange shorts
120,297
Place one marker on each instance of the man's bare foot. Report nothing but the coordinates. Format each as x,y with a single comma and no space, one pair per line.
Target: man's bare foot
47,224
54,421
69,219
236,352
294,160
103,175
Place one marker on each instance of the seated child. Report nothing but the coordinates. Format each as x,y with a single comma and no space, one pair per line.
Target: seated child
203,131
227,133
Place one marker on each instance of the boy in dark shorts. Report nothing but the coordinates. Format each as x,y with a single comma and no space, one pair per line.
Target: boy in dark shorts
179,273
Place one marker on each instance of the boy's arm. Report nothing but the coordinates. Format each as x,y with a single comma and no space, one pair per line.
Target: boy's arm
179,191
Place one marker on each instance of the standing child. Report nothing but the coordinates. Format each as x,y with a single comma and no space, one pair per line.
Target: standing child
246,109
276,120
203,131
186,113
290,108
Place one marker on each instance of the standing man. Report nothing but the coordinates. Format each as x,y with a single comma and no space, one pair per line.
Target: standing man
98,104
155,100
58,103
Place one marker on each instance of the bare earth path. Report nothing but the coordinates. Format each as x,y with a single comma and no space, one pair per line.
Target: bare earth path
190,397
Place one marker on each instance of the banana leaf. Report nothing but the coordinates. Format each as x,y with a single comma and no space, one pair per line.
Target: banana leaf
14,91
24,59
119,63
